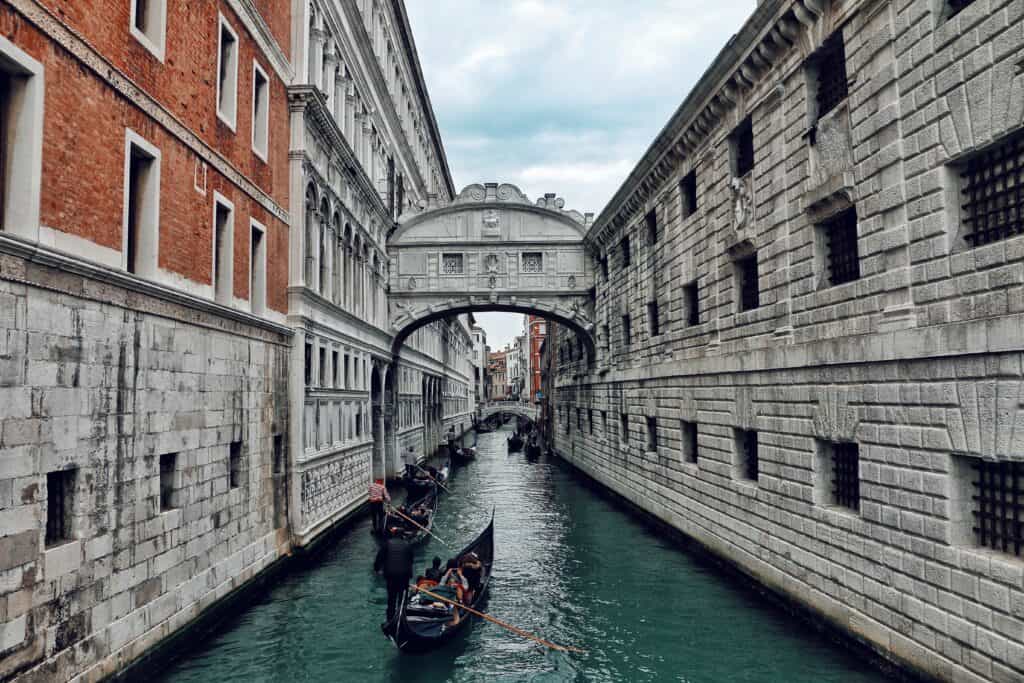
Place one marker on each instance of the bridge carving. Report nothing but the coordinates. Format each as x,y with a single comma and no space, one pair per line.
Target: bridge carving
491,249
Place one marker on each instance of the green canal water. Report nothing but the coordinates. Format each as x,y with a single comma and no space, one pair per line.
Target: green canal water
569,566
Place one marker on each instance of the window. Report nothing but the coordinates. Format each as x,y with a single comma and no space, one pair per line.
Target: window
652,434
533,262
309,364
838,474
227,74
624,245
235,464
839,239
168,495
21,140
149,21
579,419
257,268
992,503
742,143
60,492
746,454
652,226
688,194
451,264
992,191
624,428
691,303
604,267
688,441
956,6
323,367
828,67
590,419
223,249
278,461
746,282
260,111
347,384
141,218
604,422
605,337
626,334
652,318
334,369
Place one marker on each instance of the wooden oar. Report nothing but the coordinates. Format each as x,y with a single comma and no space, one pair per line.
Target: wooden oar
499,622
419,526
434,480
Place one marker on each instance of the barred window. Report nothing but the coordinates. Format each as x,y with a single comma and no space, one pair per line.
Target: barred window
652,318
308,364
688,441
590,419
626,331
746,454
746,282
837,474
839,237
623,427
652,226
451,264
992,189
168,496
60,488
998,497
604,267
688,193
533,262
691,303
956,6
652,434
625,250
235,464
830,67
742,142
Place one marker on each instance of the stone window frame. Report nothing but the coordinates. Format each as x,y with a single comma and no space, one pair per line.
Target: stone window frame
962,504
741,462
651,423
737,139
228,86
147,236
624,429
651,224
260,125
235,465
154,40
257,268
824,475
689,203
23,160
625,251
688,444
522,262
834,42
60,493
822,226
738,263
168,475
222,202
691,302
653,318
461,259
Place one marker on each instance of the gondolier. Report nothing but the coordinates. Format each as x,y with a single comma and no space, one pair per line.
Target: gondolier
378,495
394,560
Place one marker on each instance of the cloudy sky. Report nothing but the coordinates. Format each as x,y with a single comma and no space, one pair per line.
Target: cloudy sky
561,96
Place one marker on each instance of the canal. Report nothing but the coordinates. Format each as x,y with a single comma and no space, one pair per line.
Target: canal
569,566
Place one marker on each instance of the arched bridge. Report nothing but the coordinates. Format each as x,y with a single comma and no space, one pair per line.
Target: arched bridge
524,409
491,249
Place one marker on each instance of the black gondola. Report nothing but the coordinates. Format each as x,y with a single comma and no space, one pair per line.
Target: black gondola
463,455
423,623
515,443
397,525
484,428
533,450
417,482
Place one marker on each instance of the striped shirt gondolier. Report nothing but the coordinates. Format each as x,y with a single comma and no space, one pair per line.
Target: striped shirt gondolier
378,493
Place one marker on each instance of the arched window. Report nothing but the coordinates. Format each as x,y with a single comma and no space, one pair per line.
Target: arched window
324,265
311,224
339,259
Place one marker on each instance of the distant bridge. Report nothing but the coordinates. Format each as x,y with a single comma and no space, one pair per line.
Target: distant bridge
524,409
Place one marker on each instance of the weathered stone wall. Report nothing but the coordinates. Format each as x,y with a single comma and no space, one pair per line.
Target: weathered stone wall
104,390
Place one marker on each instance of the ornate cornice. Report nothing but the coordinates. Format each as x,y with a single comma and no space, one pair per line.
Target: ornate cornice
257,27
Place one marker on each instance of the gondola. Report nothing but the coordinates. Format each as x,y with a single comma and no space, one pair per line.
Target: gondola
484,428
417,483
463,455
515,443
423,623
396,525
532,450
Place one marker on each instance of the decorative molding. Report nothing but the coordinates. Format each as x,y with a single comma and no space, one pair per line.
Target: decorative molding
258,29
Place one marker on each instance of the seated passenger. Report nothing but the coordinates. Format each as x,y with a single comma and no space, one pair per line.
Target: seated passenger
433,573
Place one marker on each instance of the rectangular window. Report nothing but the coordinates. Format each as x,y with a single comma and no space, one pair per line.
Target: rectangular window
838,474
168,469
652,318
624,245
257,269
691,304
309,364
688,194
652,226
839,239
323,368
746,283
742,143
60,491
652,434
235,464
579,419
624,428
451,264
335,370
604,422
746,454
223,249
260,111
829,68
347,381
605,337
996,500
992,191
626,332
227,74
533,262
954,7
688,441
604,267
21,140
148,25
278,462
141,206
590,419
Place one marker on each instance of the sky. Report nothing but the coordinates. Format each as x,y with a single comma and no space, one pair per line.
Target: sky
561,96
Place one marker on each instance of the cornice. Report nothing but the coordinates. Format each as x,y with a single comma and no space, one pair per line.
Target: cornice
257,27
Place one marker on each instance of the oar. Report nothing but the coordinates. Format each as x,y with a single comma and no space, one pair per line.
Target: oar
499,622
434,480
419,526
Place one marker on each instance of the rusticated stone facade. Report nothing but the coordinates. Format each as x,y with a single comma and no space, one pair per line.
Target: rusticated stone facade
839,414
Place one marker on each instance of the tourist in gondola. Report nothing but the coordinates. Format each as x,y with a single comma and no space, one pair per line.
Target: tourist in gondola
394,561
472,570
433,572
420,515
378,495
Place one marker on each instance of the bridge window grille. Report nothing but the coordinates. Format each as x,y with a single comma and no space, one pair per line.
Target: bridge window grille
168,466
746,450
688,441
652,226
235,464
533,262
60,487
652,434
840,240
956,6
830,65
451,264
652,318
742,141
846,475
626,333
688,193
691,303
998,496
992,186
746,280
624,245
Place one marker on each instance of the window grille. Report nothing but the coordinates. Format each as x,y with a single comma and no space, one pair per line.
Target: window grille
750,295
688,192
235,464
625,251
842,259
956,6
992,185
533,262
624,427
746,442
692,302
451,264
604,267
652,226
846,475
652,433
59,490
688,440
652,315
999,505
743,141
309,364
626,333
590,419
831,77
579,419
167,463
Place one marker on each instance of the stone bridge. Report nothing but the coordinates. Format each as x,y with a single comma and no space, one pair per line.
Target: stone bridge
523,409
491,249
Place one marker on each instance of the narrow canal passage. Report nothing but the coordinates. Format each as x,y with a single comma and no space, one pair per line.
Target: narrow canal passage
569,567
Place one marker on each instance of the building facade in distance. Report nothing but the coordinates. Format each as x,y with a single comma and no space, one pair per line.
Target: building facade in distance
497,372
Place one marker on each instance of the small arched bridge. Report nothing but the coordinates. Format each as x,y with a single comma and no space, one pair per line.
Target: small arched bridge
514,407
491,249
